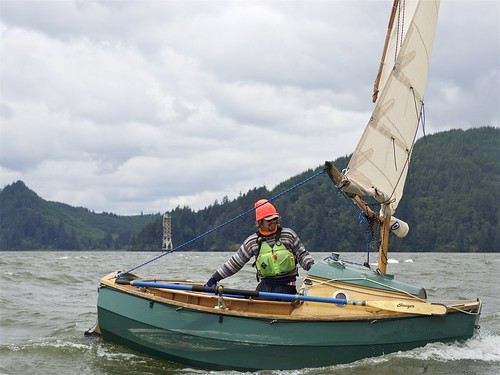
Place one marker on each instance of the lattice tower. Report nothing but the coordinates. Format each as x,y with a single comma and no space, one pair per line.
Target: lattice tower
167,233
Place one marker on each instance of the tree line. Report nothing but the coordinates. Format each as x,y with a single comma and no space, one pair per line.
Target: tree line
451,202
28,222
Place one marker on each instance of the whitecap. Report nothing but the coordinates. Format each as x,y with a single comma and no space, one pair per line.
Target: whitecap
483,347
103,352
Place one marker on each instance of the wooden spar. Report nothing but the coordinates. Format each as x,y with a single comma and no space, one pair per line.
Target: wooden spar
386,44
400,305
364,206
339,180
385,223
384,245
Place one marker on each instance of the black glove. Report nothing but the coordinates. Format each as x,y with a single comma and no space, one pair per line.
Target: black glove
211,282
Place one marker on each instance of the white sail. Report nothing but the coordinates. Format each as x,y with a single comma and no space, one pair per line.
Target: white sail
379,164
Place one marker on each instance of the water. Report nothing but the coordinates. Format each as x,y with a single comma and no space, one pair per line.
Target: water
48,300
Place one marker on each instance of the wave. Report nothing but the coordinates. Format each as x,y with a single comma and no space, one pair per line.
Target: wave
484,346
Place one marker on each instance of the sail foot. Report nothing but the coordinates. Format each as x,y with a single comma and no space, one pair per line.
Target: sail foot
354,187
356,190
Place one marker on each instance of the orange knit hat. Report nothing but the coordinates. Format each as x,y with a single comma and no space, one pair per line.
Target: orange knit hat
264,209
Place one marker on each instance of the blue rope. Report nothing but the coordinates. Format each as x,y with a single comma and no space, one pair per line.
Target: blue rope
362,219
221,225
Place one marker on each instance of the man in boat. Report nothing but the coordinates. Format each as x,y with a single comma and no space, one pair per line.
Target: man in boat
278,252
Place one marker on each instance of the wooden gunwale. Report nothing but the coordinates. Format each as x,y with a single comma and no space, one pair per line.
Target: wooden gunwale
264,309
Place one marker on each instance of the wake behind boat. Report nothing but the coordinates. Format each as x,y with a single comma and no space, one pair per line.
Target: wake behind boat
342,312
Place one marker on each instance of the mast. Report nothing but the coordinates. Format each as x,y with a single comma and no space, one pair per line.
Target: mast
386,44
383,249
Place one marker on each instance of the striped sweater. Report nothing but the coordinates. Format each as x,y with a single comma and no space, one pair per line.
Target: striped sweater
250,248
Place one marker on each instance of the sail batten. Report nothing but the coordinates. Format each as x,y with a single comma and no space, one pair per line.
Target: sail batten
379,164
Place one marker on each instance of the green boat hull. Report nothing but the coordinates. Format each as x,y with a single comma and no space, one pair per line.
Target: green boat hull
221,341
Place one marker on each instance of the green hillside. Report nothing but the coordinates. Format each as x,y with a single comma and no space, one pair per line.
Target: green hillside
28,222
451,202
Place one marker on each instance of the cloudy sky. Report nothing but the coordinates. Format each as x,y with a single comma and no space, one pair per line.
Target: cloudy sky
141,106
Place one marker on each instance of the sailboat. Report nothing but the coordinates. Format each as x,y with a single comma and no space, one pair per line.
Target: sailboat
343,311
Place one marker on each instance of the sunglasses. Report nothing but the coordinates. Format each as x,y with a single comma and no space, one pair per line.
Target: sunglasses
275,220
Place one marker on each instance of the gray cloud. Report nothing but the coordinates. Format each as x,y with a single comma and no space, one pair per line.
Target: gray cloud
127,106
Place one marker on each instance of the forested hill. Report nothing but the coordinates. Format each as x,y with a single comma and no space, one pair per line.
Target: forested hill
28,222
451,202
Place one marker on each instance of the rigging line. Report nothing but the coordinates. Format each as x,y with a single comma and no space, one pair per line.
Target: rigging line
350,201
394,152
336,259
403,22
220,225
361,214
396,46
422,117
400,28
362,218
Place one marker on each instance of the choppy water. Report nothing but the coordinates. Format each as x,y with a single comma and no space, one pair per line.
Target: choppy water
48,300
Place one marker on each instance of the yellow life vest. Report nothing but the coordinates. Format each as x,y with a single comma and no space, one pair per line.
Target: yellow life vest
274,261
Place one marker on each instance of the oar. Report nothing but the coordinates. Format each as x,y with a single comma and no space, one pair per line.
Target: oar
402,306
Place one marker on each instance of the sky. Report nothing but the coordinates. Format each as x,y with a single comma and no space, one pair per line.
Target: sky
137,107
